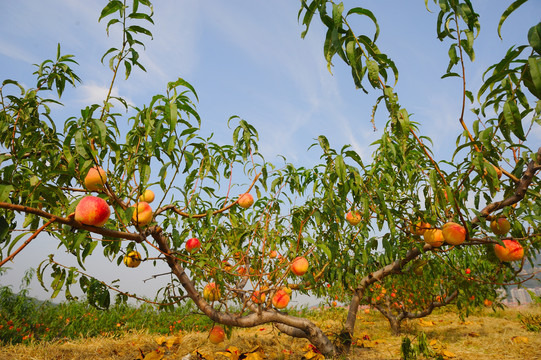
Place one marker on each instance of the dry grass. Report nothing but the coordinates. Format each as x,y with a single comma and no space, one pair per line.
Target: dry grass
486,335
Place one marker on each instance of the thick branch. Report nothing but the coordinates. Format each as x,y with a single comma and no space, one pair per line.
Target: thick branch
73,223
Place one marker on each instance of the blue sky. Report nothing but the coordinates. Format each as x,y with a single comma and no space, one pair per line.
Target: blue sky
247,58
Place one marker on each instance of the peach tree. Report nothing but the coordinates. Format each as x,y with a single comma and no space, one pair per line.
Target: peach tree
86,180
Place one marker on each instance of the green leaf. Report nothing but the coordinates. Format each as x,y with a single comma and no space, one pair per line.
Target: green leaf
368,13
5,191
139,29
340,168
534,65
4,229
337,10
534,38
508,12
110,8
513,119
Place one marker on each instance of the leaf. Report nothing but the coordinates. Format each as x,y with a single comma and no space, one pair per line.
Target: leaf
368,13
155,355
508,12
520,339
423,322
513,119
534,38
168,341
231,353
473,334
447,354
110,8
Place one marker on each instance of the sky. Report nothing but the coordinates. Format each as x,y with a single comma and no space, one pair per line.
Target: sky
247,58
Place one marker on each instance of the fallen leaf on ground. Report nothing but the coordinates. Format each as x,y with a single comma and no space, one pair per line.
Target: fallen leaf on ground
168,341
473,334
519,339
153,355
426,322
312,353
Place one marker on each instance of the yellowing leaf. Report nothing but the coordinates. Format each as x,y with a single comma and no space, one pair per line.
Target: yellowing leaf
448,354
202,354
168,341
519,339
155,355
312,353
231,353
426,322
256,353
473,334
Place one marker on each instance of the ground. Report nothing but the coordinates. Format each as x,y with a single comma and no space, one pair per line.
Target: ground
486,335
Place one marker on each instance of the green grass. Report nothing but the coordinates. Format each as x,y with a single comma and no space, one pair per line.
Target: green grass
25,319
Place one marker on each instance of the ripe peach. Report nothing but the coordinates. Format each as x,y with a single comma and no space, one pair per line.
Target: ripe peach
246,200
142,214
500,226
92,210
132,259
280,299
95,179
211,292
353,218
453,233
192,245
273,254
299,266
216,335
258,297
512,251
419,228
433,237
147,196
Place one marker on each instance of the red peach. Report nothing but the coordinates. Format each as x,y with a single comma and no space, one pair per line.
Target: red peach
299,266
216,335
92,210
512,251
500,226
453,233
280,299
353,218
192,245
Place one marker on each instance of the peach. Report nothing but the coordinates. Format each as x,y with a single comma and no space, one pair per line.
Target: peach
453,233
92,210
433,237
500,226
280,299
211,292
142,214
246,200
192,245
273,254
132,259
216,335
299,266
148,196
512,251
95,179
419,228
258,297
353,218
